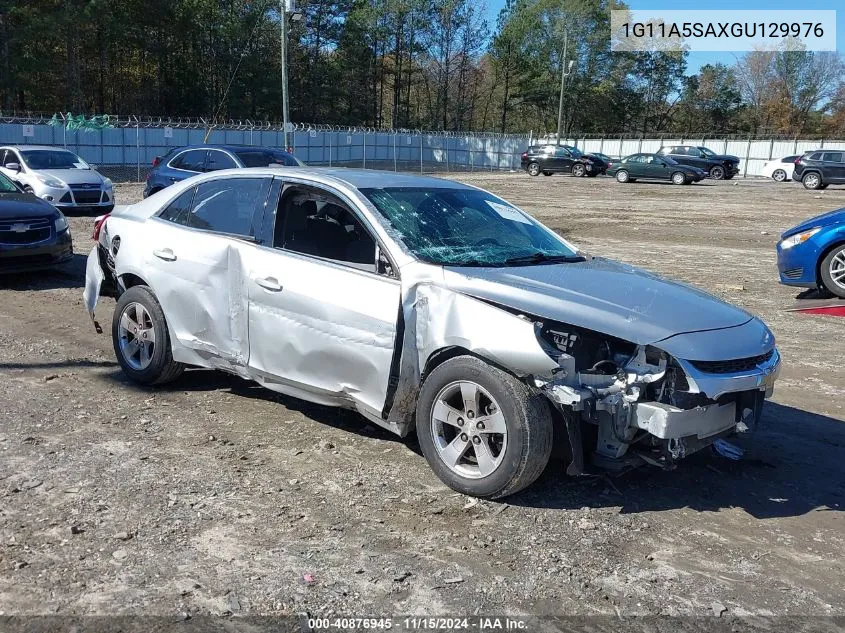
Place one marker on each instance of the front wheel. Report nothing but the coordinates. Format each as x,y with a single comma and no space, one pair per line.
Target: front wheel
812,180
717,172
678,178
533,169
622,176
141,338
578,170
483,432
778,175
833,271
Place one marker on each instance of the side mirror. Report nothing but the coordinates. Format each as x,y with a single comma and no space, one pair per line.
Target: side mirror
13,166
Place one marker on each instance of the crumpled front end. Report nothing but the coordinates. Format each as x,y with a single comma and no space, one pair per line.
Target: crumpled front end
645,404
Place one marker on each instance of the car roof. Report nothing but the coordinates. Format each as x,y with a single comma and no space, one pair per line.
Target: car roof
357,178
231,148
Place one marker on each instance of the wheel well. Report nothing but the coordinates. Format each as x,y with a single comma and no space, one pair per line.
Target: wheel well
824,254
129,280
811,171
441,356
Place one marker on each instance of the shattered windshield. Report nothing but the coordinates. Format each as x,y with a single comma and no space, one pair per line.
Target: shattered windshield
467,227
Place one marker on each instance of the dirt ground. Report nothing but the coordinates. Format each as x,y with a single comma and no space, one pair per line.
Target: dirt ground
214,496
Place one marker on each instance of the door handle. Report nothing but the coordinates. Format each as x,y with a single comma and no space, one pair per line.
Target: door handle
269,283
166,254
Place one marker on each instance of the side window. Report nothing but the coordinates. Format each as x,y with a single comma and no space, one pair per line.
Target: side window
218,160
192,160
636,158
816,156
315,222
562,152
833,157
228,205
178,210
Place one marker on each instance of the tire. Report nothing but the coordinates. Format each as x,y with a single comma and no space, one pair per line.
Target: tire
812,180
547,173
717,172
578,170
779,175
157,366
623,176
522,413
678,178
833,271
533,169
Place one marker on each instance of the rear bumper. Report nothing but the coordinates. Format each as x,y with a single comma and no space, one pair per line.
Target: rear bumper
21,258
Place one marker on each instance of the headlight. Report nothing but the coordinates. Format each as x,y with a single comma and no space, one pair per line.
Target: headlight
61,223
799,238
50,181
107,183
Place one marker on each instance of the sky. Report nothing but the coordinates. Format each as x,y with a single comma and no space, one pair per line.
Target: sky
697,60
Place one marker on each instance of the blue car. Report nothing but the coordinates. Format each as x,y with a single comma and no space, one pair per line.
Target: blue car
812,254
183,162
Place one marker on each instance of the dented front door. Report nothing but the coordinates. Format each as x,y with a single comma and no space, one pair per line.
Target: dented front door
326,328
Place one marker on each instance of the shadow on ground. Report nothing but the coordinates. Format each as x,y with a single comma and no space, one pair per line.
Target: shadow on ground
793,462
68,275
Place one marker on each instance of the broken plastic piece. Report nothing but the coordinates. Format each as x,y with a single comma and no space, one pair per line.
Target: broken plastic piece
728,450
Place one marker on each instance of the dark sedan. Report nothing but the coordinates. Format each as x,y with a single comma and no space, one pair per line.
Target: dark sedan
33,233
183,162
654,167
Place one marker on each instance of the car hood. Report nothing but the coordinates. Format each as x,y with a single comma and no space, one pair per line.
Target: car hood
604,296
24,205
73,176
825,219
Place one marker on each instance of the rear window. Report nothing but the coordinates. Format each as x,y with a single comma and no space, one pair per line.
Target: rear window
265,158
789,159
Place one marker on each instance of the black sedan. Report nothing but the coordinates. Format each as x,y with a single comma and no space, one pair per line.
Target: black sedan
654,167
33,233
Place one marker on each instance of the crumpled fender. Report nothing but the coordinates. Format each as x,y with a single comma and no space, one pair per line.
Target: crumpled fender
437,318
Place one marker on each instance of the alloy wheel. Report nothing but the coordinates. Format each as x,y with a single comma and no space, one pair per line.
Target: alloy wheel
837,268
534,169
137,336
812,181
717,173
469,430
779,175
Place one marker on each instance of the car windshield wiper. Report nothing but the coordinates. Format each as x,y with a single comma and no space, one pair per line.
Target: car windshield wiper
537,258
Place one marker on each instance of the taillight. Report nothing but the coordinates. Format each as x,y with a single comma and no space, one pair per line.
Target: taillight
797,160
156,161
98,226
525,155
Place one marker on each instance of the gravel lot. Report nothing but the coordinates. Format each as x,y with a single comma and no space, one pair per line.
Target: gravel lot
214,496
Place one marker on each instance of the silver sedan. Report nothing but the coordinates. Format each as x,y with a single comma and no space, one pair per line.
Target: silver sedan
427,304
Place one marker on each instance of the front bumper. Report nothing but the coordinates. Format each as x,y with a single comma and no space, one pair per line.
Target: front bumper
714,386
66,198
797,265
56,250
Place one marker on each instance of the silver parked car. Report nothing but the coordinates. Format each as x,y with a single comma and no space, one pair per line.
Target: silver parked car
426,303
58,176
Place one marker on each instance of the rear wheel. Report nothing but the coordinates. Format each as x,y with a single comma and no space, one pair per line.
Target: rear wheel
717,172
483,432
833,271
678,178
533,169
141,338
622,176
812,180
578,170
778,175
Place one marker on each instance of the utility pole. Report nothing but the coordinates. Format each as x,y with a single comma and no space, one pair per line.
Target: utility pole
564,73
283,13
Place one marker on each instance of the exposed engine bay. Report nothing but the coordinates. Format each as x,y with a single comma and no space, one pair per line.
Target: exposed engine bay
638,398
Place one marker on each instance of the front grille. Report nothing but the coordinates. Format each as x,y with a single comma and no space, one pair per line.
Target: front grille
793,273
66,198
731,366
25,231
86,193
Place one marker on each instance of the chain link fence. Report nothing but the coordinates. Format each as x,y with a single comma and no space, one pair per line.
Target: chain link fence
123,148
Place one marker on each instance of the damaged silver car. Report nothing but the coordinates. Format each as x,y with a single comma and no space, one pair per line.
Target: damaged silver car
425,303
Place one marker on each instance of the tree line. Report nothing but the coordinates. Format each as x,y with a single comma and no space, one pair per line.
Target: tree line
424,64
